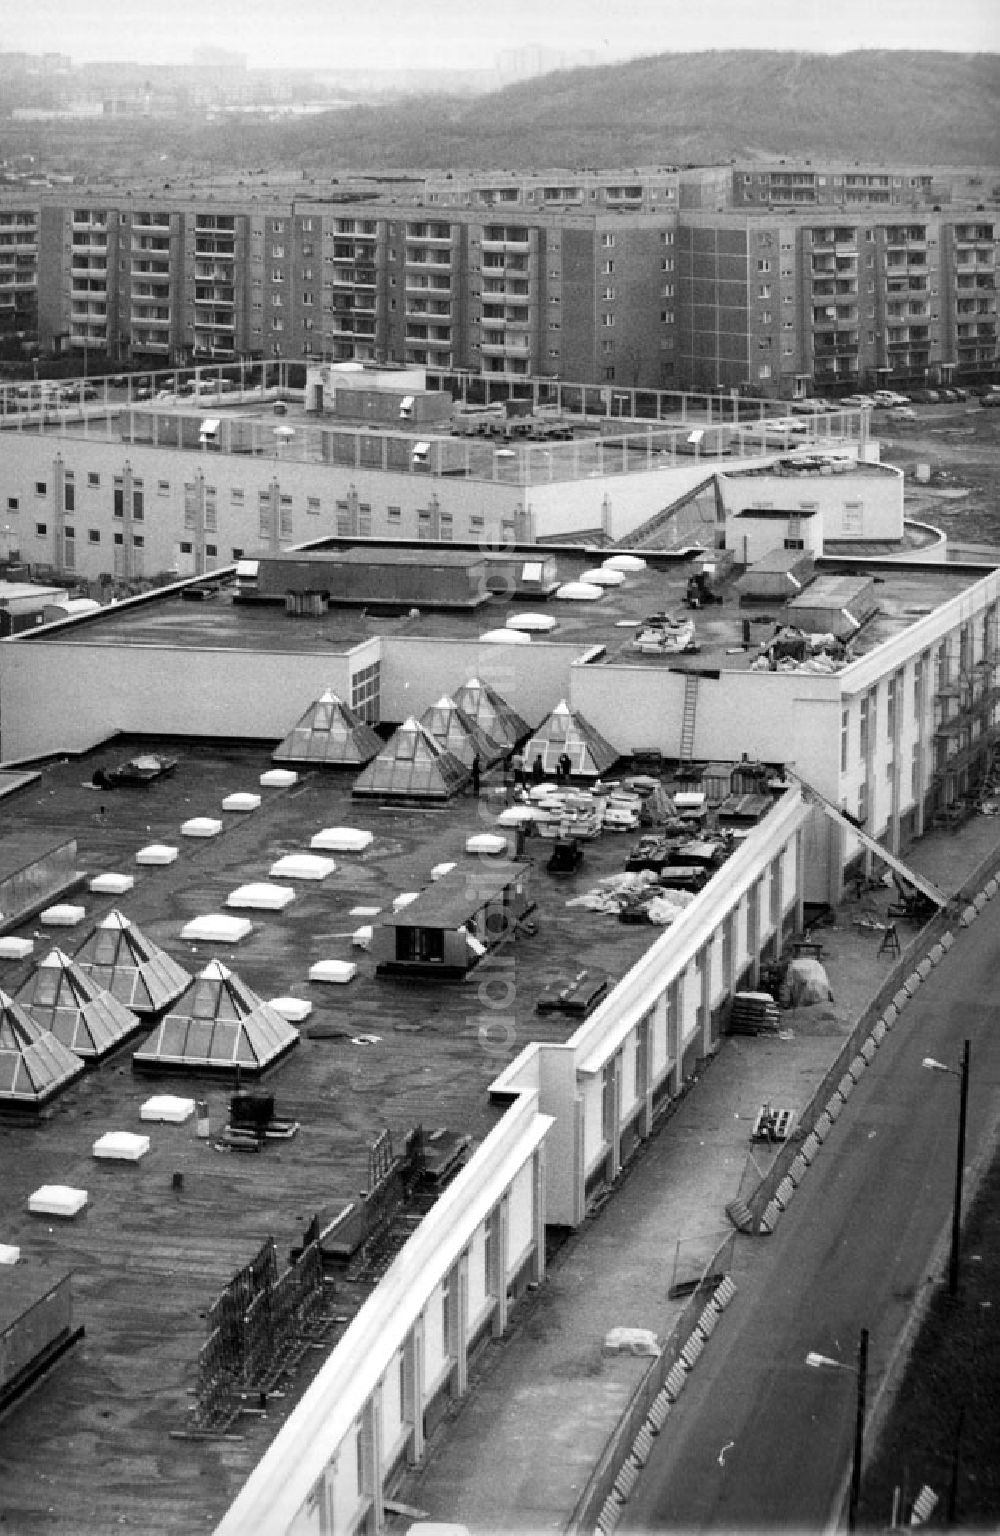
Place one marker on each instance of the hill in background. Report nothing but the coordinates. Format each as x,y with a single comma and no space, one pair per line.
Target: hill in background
674,109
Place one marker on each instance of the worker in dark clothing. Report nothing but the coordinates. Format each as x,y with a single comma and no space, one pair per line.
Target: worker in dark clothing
538,769
475,774
564,767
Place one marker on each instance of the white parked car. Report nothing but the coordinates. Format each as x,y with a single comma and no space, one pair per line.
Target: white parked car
811,407
889,397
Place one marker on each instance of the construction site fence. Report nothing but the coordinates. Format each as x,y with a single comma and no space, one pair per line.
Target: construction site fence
602,1479
760,1198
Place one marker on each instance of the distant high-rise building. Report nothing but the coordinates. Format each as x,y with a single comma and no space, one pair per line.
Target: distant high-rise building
647,278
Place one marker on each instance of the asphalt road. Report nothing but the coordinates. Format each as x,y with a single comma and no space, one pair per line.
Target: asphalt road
757,1438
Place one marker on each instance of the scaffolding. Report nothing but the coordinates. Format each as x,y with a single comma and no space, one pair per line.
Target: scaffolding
259,1328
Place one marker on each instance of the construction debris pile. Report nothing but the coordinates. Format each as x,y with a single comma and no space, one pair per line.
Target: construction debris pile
795,650
635,896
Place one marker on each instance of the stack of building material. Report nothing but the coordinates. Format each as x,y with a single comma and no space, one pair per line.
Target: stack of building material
753,1013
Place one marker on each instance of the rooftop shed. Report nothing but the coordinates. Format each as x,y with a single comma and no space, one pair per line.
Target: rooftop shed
432,578
452,924
777,577
836,605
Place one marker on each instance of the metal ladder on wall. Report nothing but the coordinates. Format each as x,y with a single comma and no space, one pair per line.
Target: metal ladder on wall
688,716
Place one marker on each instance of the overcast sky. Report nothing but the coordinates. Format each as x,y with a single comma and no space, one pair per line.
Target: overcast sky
468,34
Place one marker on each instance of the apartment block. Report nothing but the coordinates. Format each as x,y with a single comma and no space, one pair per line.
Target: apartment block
646,190
18,273
784,183
782,302
776,299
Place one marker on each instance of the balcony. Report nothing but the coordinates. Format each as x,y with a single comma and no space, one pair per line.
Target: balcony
153,321
428,231
222,295
500,245
441,286
214,323
428,258
215,224
217,249
150,273
149,341
503,266
158,222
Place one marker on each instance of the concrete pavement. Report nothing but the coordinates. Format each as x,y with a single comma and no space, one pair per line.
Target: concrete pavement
517,1452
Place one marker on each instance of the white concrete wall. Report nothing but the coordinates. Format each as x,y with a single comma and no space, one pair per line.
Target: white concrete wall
417,670
480,509
769,716
610,1030
307,1482
850,503
69,697
519,1218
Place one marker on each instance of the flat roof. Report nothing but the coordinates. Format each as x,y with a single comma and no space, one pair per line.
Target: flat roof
827,589
778,514
149,1255
17,591
20,849
458,894
434,559
907,590
671,427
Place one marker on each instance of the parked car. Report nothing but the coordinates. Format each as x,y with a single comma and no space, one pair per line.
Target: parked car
991,400
948,396
856,400
812,407
889,397
902,413
959,392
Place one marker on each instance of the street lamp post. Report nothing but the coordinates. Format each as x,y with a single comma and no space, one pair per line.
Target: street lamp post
963,1104
857,1457
859,1432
